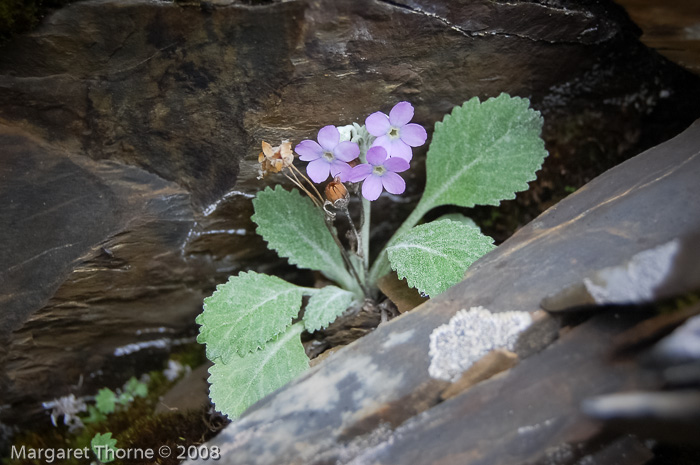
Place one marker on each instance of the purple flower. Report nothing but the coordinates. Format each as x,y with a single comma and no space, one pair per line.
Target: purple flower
379,173
394,132
328,156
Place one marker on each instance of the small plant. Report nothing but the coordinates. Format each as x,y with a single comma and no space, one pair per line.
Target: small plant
480,154
107,401
104,447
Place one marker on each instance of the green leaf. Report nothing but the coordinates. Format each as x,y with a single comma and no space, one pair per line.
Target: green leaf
105,400
242,381
458,217
480,154
434,256
246,312
325,306
295,229
483,153
94,415
104,447
136,388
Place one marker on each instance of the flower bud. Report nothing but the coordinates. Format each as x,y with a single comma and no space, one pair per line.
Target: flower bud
335,190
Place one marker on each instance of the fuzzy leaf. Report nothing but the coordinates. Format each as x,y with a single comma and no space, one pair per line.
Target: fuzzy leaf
480,154
105,400
242,381
434,256
295,229
325,306
459,218
246,312
483,153
104,447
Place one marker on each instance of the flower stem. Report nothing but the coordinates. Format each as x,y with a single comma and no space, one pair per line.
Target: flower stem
313,186
348,263
366,216
296,182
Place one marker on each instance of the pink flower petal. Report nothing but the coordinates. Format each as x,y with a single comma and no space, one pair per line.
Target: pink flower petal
308,150
347,151
328,137
413,134
372,187
396,164
393,183
340,168
401,114
401,150
383,142
360,172
377,124
318,170
376,155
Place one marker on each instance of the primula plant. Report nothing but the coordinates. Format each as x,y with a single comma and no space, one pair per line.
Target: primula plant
480,154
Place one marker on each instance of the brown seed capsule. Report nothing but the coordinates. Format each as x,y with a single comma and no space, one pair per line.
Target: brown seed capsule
335,190
275,159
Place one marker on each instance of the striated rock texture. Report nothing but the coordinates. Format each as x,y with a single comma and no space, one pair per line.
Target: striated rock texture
130,128
379,400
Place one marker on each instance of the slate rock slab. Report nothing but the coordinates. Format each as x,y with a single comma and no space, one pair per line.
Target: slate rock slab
72,297
374,401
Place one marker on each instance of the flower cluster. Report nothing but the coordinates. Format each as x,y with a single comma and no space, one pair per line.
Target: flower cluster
392,138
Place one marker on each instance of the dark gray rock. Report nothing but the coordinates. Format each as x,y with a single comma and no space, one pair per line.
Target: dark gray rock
97,262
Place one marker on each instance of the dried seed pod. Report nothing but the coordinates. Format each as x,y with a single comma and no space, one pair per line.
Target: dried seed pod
335,191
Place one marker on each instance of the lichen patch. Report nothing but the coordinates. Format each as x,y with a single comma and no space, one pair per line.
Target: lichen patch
470,335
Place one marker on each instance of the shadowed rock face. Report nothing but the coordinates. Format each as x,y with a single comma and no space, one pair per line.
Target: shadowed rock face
130,128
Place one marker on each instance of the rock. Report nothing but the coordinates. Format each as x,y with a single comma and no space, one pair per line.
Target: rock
375,402
129,147
78,296
672,30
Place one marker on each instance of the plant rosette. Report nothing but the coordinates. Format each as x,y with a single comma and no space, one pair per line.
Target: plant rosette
480,154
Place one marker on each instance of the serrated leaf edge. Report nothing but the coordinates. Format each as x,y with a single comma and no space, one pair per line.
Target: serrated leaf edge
332,265
336,296
228,355
447,184
412,282
292,331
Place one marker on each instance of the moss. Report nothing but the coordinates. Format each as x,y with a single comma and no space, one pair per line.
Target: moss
192,355
135,426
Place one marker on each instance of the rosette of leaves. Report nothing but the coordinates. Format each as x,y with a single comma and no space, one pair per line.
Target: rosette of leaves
247,323
480,154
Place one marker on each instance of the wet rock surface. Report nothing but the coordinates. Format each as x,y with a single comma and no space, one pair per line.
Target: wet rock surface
375,401
130,132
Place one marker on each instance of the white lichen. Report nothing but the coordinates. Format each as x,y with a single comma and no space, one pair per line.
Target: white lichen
470,335
636,281
175,369
68,407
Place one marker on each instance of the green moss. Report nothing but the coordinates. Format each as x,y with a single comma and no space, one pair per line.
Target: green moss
134,425
191,355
